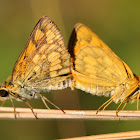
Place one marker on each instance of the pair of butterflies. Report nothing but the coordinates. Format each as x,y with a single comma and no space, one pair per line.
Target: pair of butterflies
89,65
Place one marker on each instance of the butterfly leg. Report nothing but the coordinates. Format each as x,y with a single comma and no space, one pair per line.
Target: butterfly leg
17,96
127,102
108,101
3,103
124,105
117,110
107,104
13,107
35,114
44,98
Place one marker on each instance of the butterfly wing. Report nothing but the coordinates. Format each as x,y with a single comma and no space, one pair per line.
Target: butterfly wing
44,60
97,69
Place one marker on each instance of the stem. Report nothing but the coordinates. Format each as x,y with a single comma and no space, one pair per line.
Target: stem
7,112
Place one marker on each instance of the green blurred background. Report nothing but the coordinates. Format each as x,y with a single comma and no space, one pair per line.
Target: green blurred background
117,23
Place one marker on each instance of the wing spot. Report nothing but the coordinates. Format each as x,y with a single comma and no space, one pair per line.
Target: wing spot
53,56
35,58
56,67
53,73
38,35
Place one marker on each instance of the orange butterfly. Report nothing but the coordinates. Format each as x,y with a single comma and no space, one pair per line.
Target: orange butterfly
99,71
43,65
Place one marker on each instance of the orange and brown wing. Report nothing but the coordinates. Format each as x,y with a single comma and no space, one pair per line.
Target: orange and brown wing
97,69
44,62
31,45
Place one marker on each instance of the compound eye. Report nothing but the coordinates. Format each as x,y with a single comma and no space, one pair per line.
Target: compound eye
3,93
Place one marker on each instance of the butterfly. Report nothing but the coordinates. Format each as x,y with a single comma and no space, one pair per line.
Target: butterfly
43,65
98,70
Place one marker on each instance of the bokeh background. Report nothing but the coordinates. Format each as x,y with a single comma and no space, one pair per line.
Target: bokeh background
117,23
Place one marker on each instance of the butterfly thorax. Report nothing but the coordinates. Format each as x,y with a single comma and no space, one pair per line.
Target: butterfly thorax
136,94
130,91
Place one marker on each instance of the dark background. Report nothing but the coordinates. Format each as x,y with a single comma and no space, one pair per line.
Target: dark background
117,23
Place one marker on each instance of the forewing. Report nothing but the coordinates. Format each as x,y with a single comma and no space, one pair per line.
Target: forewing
43,58
95,64
31,45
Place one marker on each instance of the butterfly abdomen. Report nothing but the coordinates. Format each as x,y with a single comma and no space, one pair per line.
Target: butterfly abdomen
96,89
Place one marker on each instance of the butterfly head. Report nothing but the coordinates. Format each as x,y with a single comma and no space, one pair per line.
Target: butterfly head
3,93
